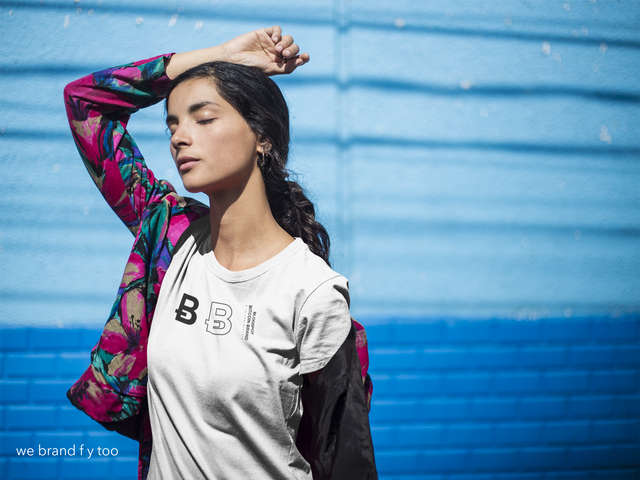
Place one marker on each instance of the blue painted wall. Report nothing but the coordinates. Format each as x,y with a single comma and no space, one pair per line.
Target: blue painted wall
474,161
491,399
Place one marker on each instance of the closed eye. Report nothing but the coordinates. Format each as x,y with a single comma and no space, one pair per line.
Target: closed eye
204,122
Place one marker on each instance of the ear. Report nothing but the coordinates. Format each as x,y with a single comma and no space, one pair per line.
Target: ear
264,146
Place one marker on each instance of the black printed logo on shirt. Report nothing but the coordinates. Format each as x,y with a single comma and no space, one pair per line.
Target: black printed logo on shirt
219,321
186,312
249,323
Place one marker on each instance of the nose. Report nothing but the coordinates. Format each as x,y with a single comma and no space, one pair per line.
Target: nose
180,137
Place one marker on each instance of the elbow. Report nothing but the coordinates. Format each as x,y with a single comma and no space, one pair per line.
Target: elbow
70,91
73,100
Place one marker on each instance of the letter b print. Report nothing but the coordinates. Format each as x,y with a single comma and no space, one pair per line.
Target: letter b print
186,312
219,321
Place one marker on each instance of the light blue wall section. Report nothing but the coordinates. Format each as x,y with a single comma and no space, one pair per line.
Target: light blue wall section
471,159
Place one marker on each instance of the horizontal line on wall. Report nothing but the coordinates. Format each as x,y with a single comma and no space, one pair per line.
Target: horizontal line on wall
486,90
470,31
262,15
32,296
76,70
382,226
533,307
498,90
519,90
446,321
506,146
419,24
357,140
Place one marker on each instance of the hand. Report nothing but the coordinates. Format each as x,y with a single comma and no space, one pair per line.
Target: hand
265,49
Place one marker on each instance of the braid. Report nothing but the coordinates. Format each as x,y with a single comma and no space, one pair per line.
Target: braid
291,207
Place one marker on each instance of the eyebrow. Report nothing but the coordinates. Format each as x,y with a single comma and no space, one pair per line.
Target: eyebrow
192,108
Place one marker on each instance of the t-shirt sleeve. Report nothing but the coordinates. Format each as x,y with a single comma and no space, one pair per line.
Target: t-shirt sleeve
323,324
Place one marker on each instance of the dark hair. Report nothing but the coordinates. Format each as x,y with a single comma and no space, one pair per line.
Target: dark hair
260,102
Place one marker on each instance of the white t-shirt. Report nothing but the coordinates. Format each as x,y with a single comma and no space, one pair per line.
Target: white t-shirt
226,355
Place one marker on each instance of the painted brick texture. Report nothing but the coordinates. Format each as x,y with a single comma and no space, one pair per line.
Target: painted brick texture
506,399
564,403
38,367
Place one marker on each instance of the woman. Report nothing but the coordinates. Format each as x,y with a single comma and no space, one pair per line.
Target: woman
251,326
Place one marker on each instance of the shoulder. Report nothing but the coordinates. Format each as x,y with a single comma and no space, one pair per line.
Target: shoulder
307,280
323,321
322,288
313,273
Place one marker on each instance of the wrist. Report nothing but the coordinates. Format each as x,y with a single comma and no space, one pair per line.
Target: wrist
181,62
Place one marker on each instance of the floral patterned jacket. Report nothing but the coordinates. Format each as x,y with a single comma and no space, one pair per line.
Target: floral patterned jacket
114,387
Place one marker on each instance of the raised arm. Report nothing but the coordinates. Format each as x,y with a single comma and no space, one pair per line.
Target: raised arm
99,107
266,49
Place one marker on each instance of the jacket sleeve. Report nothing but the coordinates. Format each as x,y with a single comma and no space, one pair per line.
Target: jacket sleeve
334,434
98,109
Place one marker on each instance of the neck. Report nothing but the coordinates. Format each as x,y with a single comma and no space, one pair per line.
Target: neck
244,233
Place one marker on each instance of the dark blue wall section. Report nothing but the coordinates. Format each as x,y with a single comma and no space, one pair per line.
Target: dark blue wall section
506,399
489,399
38,366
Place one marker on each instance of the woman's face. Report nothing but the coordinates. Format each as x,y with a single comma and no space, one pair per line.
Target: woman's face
213,147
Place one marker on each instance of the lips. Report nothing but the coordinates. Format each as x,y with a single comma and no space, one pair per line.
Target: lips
185,162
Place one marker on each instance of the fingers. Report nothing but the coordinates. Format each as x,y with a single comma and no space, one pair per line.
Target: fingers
283,66
289,65
286,48
305,57
288,56
291,52
274,32
285,42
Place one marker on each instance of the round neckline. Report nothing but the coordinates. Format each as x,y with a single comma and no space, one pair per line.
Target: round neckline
250,273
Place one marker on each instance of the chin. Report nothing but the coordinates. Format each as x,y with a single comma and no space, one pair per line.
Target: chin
190,187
